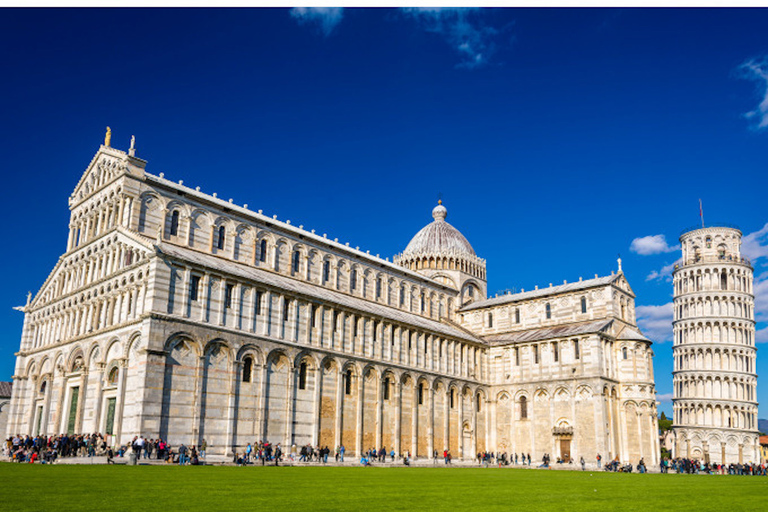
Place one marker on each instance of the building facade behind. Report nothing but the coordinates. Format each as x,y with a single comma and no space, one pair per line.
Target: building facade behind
715,381
175,314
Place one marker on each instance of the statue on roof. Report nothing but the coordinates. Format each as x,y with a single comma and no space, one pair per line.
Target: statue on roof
108,137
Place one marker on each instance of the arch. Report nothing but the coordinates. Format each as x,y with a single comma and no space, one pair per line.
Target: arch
75,359
184,337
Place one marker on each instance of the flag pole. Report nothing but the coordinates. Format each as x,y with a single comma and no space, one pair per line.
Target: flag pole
701,213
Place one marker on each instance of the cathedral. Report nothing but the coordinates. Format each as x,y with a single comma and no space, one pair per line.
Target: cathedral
175,314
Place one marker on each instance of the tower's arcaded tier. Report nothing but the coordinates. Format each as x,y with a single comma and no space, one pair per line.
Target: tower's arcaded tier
715,384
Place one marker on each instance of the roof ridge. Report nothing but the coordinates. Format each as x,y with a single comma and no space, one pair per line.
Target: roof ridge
542,292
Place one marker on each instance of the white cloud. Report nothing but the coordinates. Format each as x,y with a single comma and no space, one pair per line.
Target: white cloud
463,29
655,321
655,244
326,17
757,70
664,397
664,274
755,245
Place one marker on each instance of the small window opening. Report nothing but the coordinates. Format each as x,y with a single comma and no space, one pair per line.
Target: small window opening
222,235
263,251
348,383
175,223
194,285
247,369
303,376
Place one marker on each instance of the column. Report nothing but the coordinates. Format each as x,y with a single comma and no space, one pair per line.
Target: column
398,419
360,395
415,420
119,403
316,407
289,407
81,400
431,421
261,417
447,419
99,379
196,418
339,405
236,369
379,411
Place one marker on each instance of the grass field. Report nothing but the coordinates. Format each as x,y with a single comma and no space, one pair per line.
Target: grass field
114,488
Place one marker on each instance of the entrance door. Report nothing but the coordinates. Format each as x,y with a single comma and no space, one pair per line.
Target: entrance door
39,421
565,450
73,411
110,428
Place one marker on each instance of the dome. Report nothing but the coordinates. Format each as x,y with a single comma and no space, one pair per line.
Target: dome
438,237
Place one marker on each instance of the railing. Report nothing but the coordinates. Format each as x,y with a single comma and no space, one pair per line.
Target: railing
713,259
718,225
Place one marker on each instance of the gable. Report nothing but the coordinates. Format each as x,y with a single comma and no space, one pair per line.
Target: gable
50,290
622,283
106,165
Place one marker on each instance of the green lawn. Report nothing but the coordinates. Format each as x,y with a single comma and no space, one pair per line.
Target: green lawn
112,488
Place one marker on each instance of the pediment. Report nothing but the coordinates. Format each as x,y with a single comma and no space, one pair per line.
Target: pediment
622,283
106,165
49,290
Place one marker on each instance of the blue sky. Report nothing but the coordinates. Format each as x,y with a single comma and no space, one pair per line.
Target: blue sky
556,137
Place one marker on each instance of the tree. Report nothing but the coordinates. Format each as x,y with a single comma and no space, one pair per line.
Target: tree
664,423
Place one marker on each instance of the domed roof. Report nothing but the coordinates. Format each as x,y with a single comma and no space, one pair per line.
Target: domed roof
438,237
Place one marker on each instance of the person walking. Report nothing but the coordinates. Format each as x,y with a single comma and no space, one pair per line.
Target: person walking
341,453
583,464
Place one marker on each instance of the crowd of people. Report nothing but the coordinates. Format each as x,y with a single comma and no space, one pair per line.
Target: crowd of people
48,449
693,466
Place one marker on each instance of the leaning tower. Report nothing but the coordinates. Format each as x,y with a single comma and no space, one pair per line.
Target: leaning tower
715,384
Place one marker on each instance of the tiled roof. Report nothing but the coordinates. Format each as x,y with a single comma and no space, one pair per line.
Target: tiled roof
542,292
631,333
5,389
546,333
320,293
